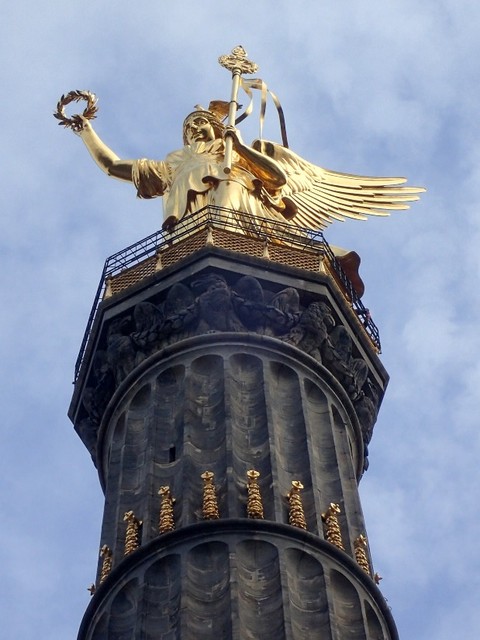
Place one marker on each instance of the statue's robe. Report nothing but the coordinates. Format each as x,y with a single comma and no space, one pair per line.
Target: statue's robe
193,177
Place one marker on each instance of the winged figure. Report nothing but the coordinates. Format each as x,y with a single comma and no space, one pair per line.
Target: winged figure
266,179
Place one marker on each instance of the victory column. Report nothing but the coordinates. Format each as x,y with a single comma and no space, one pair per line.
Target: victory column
227,388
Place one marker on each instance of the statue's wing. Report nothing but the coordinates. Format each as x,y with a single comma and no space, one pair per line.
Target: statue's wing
322,196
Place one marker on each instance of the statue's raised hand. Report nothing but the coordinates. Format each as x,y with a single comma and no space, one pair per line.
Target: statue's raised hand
80,124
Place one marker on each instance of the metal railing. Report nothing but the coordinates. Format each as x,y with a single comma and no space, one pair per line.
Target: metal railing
241,223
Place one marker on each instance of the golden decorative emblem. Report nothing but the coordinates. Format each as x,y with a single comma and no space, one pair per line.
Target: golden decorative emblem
75,122
166,520
254,499
106,554
333,531
132,534
210,504
296,516
238,61
360,546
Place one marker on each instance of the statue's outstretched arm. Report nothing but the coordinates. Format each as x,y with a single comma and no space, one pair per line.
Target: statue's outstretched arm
266,169
106,159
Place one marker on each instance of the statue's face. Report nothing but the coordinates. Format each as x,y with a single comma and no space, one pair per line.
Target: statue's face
198,129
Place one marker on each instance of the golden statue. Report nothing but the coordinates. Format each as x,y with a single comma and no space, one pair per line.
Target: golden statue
215,167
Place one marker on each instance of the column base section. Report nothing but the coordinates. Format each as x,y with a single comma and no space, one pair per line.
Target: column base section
238,579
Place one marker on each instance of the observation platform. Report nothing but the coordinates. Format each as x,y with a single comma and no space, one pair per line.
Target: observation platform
265,239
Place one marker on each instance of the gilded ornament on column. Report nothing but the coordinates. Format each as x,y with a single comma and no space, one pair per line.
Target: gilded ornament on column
296,514
360,546
210,505
254,497
106,554
166,521
333,533
132,535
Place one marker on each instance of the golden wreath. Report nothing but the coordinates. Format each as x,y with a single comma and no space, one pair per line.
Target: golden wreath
75,122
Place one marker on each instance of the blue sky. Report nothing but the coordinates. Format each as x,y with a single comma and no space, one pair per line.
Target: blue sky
376,87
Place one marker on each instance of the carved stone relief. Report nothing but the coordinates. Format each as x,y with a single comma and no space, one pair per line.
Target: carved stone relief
209,304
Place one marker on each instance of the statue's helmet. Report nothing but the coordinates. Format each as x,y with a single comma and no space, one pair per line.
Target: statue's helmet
214,115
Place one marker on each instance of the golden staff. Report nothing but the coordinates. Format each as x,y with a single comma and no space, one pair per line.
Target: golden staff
238,63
